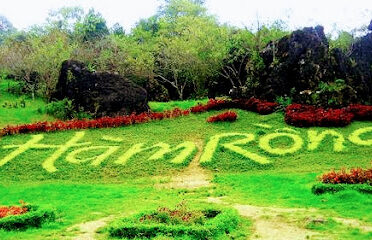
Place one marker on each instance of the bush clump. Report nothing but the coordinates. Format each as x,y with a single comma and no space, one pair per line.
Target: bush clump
228,116
64,110
322,188
178,222
23,217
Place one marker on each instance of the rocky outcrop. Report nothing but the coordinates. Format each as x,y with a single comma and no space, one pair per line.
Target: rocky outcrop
301,66
99,93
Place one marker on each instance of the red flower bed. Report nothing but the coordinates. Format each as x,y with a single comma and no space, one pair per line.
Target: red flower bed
13,210
355,176
252,104
361,112
228,116
308,116
105,122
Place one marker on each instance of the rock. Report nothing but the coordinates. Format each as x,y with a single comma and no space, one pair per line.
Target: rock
361,56
99,93
370,26
302,61
297,61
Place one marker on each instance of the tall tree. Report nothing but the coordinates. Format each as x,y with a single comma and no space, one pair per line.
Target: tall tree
6,28
92,27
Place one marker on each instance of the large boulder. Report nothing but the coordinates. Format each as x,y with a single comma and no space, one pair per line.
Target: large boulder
361,55
302,67
99,93
296,62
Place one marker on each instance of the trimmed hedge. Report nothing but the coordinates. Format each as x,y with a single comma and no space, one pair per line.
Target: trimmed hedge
33,218
322,188
224,222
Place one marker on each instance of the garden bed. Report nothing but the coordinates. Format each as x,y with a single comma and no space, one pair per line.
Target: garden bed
356,179
23,217
195,224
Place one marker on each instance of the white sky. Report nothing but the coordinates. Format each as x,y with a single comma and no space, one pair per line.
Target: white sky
346,14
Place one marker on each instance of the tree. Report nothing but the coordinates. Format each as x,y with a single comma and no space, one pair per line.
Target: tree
6,28
93,27
65,18
177,8
117,29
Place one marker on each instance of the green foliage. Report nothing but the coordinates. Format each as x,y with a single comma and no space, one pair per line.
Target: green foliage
331,94
65,18
203,224
64,109
322,188
284,101
93,26
10,95
343,41
35,217
6,28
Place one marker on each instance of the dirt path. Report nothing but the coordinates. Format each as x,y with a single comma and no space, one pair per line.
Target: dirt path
193,176
87,230
272,223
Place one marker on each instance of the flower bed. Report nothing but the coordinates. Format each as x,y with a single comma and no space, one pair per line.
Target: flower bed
178,222
355,176
252,104
12,211
356,179
228,116
361,112
105,122
308,116
23,217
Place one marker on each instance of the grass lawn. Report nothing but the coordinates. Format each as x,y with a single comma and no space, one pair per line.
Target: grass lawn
118,171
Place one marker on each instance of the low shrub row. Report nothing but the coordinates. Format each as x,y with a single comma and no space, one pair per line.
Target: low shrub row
308,116
322,188
252,104
354,176
105,122
228,116
23,217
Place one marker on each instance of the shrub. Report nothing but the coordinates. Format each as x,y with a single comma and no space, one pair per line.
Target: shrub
63,109
308,116
322,188
252,104
355,176
228,116
105,122
178,222
361,112
21,218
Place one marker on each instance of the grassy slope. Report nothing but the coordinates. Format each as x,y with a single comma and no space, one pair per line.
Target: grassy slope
19,115
80,192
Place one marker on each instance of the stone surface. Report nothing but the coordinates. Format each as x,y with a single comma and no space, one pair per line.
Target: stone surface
99,93
301,66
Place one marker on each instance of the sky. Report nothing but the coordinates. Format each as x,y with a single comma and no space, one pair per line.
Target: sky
332,14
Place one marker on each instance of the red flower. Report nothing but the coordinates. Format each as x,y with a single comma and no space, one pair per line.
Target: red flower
228,116
355,176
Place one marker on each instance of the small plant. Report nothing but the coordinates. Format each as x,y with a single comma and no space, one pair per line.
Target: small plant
228,116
